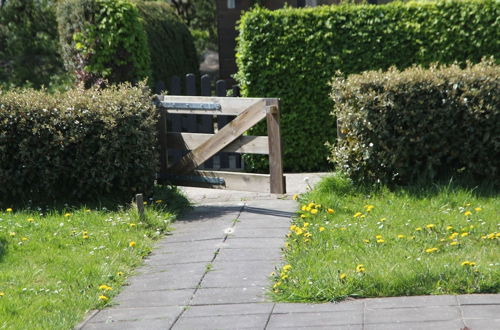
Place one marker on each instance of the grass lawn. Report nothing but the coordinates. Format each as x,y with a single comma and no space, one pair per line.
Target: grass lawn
58,263
359,242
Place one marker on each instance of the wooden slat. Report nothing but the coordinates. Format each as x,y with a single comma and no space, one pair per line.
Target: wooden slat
275,150
233,181
229,105
242,145
223,138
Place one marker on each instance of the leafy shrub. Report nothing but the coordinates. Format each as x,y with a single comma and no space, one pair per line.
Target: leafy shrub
170,42
103,39
78,144
293,54
29,44
419,124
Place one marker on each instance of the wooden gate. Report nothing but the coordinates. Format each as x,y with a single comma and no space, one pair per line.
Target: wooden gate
230,138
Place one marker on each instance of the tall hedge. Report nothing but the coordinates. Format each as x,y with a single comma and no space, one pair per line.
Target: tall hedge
171,45
29,44
293,54
81,144
419,124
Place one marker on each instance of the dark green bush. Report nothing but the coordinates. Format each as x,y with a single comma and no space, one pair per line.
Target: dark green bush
170,43
81,144
294,53
29,44
419,124
103,39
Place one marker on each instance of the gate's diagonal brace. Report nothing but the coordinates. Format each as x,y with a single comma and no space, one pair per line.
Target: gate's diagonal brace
248,118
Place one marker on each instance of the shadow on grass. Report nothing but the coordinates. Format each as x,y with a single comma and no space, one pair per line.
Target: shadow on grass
3,247
341,186
163,198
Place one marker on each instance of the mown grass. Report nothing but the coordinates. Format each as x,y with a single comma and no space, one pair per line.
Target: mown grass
352,241
58,263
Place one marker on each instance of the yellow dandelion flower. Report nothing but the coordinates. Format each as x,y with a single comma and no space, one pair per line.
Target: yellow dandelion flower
380,241
132,225
497,235
318,206
343,276
2,294
311,205
431,250
366,241
378,236
360,268
87,211
292,227
454,243
491,236
103,298
306,240
383,219
67,214
430,226
357,214
468,263
368,208
295,197
362,216
330,211
277,284
298,231
401,236
307,235
132,244
314,211
449,228
30,219
119,274
286,268
12,234
303,216
477,209
24,239
303,208
321,229
9,209
471,227
306,224
85,236
453,236
105,287
464,234
145,203
343,228
418,229
284,276
467,213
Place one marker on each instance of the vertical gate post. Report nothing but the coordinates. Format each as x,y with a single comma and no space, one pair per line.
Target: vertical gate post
162,137
275,147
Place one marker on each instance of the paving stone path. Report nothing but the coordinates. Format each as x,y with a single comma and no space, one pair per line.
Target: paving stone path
212,273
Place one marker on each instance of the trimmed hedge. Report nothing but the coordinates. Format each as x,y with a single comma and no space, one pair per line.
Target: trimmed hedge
171,45
294,53
419,124
81,144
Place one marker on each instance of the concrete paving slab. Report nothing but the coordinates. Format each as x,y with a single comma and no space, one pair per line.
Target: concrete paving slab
487,312
168,313
479,299
187,269
155,324
228,309
249,254
483,324
327,327
163,281
257,243
229,296
352,306
290,320
250,321
241,232
422,325
166,256
133,299
413,301
411,314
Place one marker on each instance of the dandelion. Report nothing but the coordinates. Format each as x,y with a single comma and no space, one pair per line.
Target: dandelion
303,216
430,226
303,208
145,203
431,250
105,287
330,211
380,241
131,244
158,201
378,237
343,276
2,294
464,234
343,228
298,231
103,298
9,209
366,241
12,234
30,219
119,274
401,236
277,284
292,227
132,225
468,263
368,208
24,239
454,243
295,197
357,214
87,211
67,215
321,229
477,209
307,235
311,205
314,211
286,268
449,227
306,224
284,277
85,236
453,236
360,268
383,219
467,213
418,229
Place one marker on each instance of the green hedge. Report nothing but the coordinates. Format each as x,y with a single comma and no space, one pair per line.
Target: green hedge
419,124
28,44
294,53
81,144
170,43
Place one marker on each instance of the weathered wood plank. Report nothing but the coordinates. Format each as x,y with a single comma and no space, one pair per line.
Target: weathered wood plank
223,138
162,137
229,105
232,180
242,145
275,150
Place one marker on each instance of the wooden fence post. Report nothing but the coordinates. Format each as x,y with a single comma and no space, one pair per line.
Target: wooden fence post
275,148
162,137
